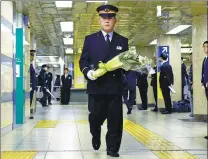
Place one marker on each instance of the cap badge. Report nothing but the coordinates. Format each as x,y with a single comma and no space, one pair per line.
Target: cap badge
106,10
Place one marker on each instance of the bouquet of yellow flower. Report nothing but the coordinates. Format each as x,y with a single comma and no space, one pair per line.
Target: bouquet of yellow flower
128,60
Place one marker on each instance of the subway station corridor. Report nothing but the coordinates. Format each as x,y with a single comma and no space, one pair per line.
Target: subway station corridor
62,132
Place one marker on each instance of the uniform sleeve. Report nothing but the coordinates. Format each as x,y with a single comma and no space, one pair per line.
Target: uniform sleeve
84,62
126,44
202,74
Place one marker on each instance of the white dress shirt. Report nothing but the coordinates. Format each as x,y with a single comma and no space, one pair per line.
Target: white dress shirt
110,35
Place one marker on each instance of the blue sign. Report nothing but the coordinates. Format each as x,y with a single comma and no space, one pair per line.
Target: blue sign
162,49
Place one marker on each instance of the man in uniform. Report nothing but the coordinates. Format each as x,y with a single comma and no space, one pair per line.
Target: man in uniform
44,85
66,80
142,84
104,93
33,81
50,79
166,80
204,79
184,76
154,87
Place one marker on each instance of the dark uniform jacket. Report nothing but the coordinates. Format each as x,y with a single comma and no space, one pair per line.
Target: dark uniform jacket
166,75
184,75
33,81
154,77
50,78
43,78
66,82
204,79
96,49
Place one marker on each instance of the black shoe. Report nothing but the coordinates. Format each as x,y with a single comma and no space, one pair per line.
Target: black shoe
206,137
166,112
129,111
113,154
96,143
155,110
50,103
142,108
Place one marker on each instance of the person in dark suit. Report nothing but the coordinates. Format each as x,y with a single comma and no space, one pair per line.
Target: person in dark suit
154,87
105,93
166,79
44,85
66,80
204,79
184,77
33,81
50,79
129,89
142,84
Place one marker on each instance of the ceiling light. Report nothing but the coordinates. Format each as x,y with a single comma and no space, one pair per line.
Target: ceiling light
63,4
159,11
46,56
178,29
186,50
68,41
52,59
69,51
154,42
55,65
97,2
67,26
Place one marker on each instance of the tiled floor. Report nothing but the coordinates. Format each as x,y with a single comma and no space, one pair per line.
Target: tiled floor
70,140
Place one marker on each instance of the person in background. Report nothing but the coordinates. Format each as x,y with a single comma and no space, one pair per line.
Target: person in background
57,82
50,79
166,79
184,77
129,89
154,87
44,85
33,81
66,80
142,84
190,83
204,79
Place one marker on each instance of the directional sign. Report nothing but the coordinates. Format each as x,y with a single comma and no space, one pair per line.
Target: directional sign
162,49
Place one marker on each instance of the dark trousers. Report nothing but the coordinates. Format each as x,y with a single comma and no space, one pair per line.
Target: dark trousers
167,98
43,100
49,96
143,88
66,95
206,92
182,92
155,95
31,97
102,107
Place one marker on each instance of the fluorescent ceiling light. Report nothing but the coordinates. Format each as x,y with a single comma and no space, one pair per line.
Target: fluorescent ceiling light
178,29
154,42
46,56
67,26
69,51
68,41
186,50
63,4
159,11
52,59
55,65
97,2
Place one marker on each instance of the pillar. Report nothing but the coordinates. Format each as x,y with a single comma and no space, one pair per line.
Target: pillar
174,44
19,71
199,35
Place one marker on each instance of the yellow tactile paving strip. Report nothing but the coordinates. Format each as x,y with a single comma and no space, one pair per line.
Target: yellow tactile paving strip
46,124
159,146
18,154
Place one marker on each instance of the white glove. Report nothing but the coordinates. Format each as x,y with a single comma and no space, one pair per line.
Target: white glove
90,75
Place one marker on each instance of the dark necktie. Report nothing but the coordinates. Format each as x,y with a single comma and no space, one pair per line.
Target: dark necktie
108,39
